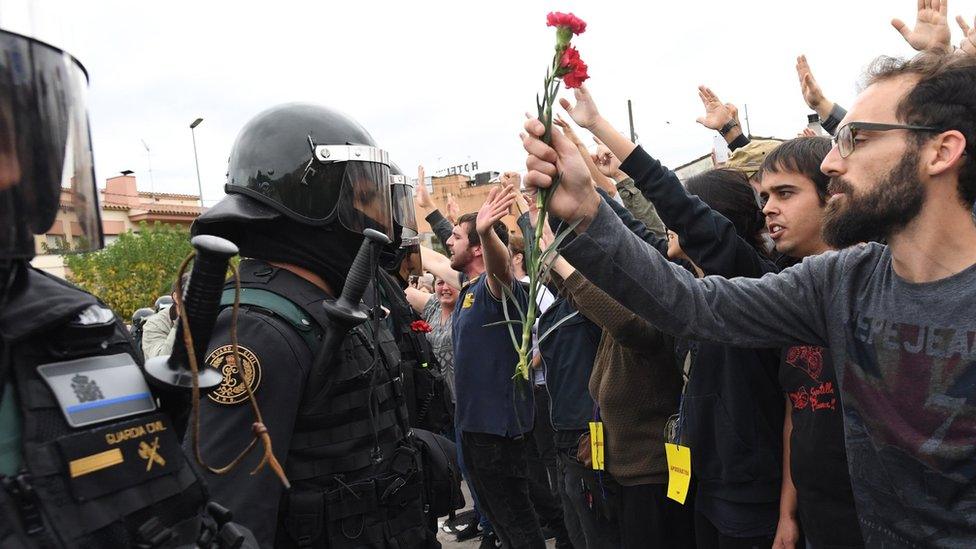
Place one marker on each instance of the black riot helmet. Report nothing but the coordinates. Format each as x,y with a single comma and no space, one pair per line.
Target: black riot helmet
303,183
313,165
403,257
45,147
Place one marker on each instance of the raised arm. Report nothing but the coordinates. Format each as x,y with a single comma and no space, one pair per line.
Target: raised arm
440,225
626,328
586,114
422,200
721,118
709,239
601,180
417,298
498,262
439,265
830,113
773,311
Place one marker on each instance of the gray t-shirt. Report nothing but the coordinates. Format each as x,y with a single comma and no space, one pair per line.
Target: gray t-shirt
905,356
440,339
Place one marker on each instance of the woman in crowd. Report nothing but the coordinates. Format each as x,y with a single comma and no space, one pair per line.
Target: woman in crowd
436,310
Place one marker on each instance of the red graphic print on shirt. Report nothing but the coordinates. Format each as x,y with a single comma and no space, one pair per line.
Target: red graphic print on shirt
816,396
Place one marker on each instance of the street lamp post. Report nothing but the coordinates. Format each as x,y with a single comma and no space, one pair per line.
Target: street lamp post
196,160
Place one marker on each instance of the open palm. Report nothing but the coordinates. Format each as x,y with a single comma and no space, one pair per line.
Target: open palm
968,44
717,114
931,32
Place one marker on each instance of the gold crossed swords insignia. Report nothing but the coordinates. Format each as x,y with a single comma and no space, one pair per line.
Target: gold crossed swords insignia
150,453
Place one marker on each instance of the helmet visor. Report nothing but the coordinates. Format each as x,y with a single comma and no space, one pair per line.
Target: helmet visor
411,264
45,149
403,208
364,198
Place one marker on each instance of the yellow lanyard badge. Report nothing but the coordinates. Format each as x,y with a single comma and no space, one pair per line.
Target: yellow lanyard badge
596,444
679,471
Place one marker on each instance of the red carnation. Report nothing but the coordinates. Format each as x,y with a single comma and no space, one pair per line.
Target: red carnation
421,326
572,68
568,20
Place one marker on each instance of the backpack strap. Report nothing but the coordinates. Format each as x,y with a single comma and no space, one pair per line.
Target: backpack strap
281,307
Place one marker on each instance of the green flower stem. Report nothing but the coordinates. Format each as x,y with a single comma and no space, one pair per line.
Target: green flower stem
535,264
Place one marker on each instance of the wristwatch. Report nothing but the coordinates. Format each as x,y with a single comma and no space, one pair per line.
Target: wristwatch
724,130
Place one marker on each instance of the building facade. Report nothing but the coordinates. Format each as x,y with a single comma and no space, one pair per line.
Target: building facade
123,208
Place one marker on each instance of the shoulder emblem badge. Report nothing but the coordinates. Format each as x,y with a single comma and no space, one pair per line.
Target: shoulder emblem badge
231,390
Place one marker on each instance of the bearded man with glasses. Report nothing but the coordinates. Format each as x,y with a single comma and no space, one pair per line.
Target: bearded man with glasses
898,318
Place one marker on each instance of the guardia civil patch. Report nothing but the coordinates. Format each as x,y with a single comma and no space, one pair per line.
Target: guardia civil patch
232,389
120,455
97,389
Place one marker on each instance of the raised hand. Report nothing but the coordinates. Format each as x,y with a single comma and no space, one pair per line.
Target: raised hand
931,32
717,114
568,131
512,179
575,197
968,44
812,93
421,195
453,209
606,161
496,206
584,112
734,111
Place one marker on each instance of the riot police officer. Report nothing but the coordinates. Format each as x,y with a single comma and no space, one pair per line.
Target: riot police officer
303,184
429,400
87,456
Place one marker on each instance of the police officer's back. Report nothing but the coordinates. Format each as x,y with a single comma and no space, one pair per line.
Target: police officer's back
303,183
87,458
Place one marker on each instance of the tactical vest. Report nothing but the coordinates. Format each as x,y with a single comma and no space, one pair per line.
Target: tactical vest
355,475
100,468
429,400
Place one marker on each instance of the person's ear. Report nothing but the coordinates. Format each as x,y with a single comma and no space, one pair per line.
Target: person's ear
946,152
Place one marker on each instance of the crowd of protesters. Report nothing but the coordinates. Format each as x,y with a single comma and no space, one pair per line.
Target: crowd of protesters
799,318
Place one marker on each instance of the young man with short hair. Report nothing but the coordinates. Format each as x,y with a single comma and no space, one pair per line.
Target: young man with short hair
816,493
494,411
898,318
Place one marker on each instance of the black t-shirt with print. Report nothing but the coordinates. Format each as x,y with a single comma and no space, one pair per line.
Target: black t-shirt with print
818,458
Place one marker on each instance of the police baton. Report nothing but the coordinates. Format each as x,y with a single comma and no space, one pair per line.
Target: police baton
201,301
348,311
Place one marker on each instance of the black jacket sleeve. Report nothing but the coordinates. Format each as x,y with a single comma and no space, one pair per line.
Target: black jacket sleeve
707,237
739,142
833,119
635,225
278,360
441,226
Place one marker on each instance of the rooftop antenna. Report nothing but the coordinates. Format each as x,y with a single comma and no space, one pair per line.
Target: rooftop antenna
748,127
630,118
152,184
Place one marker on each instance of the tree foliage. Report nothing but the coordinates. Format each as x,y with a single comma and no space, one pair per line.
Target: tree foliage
135,270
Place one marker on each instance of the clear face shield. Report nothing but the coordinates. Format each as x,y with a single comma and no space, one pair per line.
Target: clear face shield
404,215
45,148
345,183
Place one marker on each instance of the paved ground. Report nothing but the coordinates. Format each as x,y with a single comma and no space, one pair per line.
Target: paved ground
447,540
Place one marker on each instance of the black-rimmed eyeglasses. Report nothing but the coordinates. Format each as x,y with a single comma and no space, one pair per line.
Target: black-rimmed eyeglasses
846,136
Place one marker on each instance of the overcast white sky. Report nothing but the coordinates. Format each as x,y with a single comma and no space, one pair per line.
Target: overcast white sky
444,82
